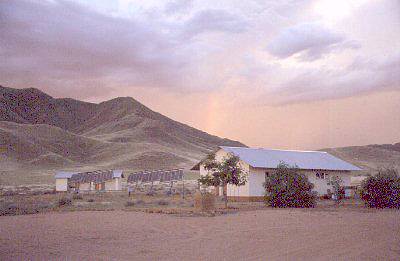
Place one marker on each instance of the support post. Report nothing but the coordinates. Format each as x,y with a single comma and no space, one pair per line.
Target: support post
151,188
183,189
170,188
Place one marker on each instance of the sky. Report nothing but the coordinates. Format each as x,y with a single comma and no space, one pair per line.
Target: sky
278,74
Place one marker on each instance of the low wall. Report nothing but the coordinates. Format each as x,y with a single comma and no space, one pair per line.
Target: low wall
246,199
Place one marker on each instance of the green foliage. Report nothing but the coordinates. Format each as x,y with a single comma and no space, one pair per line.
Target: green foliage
286,187
382,190
228,171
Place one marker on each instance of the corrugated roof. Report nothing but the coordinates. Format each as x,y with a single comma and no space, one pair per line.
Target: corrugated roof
68,175
270,158
64,174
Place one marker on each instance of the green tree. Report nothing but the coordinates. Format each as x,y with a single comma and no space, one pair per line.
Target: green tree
287,187
227,171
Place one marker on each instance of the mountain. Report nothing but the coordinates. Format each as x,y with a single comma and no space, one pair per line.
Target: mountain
370,157
39,131
40,134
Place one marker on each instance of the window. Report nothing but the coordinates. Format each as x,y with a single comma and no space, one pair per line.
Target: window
321,175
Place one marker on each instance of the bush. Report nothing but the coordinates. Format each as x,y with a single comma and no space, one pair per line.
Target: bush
286,187
77,196
204,201
64,201
163,202
382,190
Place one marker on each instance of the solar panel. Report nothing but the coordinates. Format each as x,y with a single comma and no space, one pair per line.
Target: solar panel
156,175
98,176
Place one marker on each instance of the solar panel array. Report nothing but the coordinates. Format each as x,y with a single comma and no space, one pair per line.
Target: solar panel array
156,175
97,176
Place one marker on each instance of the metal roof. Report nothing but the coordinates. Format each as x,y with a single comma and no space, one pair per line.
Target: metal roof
270,158
111,174
64,174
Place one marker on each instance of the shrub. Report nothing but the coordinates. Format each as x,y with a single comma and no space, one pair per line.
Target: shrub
140,202
382,190
204,201
162,202
326,196
23,208
286,187
77,196
150,193
129,203
8,209
64,201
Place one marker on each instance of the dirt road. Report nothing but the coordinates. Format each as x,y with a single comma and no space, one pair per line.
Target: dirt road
272,234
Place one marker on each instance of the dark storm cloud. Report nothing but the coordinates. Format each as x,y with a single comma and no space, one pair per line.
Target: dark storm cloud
61,46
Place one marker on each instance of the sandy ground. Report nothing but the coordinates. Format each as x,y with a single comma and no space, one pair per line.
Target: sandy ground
271,234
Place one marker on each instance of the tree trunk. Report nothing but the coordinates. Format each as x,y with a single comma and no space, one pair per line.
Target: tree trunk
224,189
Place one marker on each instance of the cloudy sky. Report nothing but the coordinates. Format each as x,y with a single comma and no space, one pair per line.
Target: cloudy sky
281,74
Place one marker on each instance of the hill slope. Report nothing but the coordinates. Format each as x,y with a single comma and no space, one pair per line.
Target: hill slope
370,157
39,131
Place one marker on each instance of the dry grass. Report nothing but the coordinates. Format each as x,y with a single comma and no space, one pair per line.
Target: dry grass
204,201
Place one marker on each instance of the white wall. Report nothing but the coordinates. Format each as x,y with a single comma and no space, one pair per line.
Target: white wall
84,186
114,184
321,185
256,181
257,178
61,184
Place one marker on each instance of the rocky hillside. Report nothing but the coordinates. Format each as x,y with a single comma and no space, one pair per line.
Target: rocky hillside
38,130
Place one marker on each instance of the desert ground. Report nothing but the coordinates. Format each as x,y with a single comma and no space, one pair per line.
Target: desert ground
273,234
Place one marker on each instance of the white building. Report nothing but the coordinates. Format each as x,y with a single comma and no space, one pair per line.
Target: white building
259,162
108,180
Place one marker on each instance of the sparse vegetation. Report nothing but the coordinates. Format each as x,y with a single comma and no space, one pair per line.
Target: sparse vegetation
77,197
382,190
286,187
64,201
336,183
129,203
204,201
163,202
23,208
140,202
